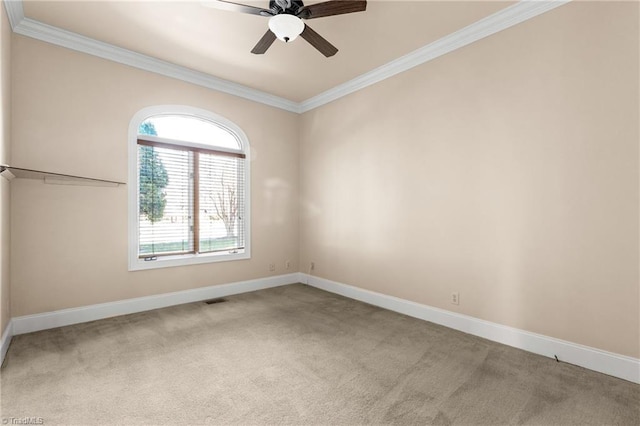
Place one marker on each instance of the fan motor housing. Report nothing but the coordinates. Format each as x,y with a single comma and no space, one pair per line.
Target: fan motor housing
295,6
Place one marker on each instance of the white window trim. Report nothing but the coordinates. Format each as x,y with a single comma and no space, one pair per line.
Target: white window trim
137,264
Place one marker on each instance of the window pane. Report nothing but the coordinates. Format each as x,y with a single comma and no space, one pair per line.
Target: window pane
221,203
189,129
165,190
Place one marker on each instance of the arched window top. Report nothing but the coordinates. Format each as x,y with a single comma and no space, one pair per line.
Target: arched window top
188,128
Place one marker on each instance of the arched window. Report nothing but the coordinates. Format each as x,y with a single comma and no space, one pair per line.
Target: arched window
188,188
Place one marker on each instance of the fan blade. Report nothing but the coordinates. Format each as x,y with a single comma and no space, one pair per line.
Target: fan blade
319,42
330,8
237,7
265,42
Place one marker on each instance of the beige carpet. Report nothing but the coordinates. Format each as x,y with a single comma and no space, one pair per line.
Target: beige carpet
295,355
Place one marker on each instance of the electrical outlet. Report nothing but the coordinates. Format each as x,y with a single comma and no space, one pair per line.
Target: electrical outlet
455,298
272,267
287,264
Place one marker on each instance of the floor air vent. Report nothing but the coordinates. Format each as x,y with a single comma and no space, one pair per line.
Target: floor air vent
213,301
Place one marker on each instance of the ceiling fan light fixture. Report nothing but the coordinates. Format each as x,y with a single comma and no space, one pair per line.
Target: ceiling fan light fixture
286,27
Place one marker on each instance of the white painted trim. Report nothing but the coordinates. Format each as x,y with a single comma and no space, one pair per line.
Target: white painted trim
50,34
501,20
15,12
47,320
620,366
7,335
616,365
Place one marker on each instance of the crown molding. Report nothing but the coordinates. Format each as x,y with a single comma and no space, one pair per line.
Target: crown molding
15,12
57,36
501,20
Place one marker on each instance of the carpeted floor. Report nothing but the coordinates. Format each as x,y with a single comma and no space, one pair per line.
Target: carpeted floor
295,355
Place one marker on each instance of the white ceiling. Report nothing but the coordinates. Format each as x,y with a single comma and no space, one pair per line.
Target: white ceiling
218,42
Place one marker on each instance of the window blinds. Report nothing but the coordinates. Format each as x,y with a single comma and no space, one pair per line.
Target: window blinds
190,199
220,208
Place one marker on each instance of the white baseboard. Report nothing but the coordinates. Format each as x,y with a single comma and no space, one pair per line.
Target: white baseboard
47,320
6,340
620,366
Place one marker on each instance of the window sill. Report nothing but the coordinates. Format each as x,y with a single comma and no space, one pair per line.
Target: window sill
137,264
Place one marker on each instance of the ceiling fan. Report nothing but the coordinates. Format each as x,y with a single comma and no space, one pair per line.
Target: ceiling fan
285,20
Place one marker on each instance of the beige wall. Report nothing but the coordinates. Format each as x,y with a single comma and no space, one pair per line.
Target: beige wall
71,114
506,170
5,188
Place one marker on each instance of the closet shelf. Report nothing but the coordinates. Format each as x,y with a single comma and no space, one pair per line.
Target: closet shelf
9,172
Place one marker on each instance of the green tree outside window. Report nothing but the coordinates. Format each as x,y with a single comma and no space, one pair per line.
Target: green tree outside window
153,178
